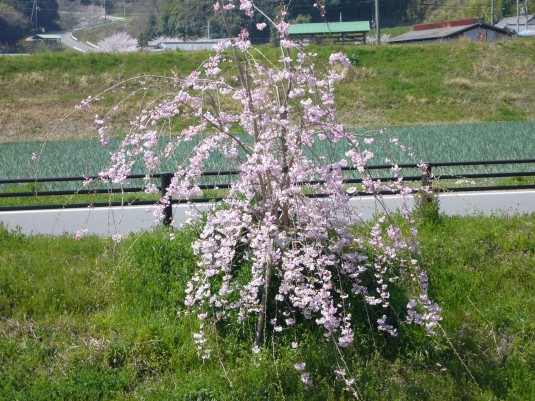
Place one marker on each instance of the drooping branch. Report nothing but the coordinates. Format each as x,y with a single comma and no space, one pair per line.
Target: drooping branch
285,232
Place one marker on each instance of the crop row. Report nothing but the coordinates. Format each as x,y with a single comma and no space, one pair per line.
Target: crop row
434,143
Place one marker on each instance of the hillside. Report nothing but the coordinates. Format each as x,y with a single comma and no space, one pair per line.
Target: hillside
402,85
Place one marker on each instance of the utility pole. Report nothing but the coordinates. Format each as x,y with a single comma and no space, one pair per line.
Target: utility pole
377,26
517,16
492,12
526,15
34,8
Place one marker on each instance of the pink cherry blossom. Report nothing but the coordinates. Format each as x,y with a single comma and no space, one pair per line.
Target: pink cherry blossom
300,252
81,233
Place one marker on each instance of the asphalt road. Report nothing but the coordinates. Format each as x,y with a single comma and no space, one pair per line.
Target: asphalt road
123,220
68,40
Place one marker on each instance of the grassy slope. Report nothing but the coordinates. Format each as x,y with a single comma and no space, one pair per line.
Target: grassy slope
80,320
392,85
38,93
458,82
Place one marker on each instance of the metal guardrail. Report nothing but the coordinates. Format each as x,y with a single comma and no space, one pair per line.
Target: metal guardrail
426,176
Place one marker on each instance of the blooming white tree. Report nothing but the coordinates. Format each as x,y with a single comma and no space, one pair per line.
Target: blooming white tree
282,247
120,42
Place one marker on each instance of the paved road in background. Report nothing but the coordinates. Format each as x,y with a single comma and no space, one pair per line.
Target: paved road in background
123,220
68,40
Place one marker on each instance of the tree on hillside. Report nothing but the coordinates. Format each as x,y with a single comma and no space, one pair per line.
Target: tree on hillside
13,24
459,9
152,10
43,14
181,18
191,18
19,18
186,18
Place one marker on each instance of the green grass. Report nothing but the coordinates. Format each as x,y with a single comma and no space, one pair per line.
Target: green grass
91,320
53,67
390,86
440,83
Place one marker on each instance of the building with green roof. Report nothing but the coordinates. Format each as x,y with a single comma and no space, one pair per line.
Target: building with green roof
45,37
331,32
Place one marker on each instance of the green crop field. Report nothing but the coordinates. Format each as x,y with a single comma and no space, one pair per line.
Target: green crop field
431,143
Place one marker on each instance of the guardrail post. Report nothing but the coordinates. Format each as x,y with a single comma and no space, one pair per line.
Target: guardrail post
426,175
426,200
165,182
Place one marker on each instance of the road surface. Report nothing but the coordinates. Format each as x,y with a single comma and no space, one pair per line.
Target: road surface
69,39
124,220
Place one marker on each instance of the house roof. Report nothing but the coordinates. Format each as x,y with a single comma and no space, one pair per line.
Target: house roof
511,22
447,24
441,33
177,44
44,36
329,27
526,33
